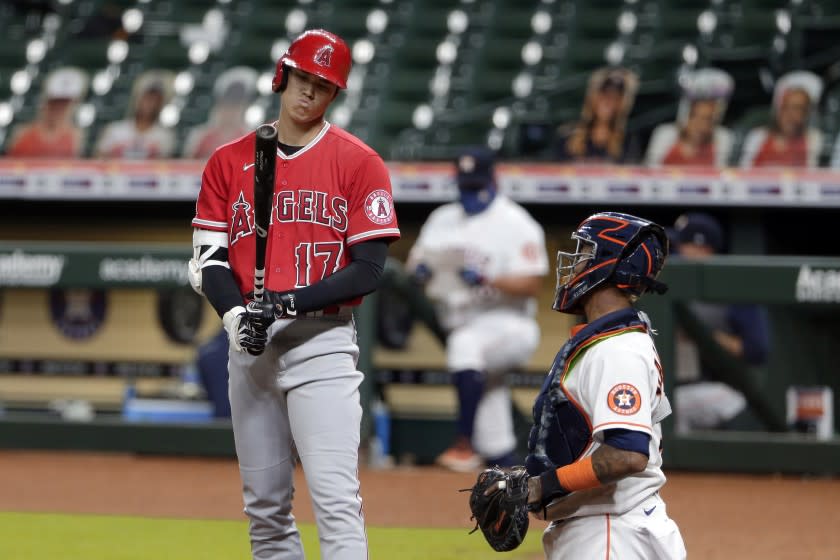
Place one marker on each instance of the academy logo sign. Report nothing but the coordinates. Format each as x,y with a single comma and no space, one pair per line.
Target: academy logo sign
143,269
817,285
20,268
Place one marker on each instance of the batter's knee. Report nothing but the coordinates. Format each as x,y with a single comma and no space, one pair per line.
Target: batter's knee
463,351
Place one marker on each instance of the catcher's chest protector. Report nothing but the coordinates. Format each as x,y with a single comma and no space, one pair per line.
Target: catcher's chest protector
561,431
566,432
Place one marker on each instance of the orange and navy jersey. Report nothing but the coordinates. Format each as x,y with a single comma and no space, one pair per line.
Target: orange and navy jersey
332,193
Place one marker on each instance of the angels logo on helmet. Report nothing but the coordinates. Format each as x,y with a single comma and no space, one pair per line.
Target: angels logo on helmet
324,56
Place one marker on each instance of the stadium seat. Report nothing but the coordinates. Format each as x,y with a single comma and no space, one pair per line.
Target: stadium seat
13,55
410,85
89,54
166,52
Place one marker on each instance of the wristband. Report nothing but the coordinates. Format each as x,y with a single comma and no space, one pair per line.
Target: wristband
571,478
287,302
550,486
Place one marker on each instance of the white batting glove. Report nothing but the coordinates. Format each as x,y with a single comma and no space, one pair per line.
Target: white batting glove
247,327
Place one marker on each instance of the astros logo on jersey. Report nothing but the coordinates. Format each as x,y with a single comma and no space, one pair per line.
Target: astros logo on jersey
624,399
379,207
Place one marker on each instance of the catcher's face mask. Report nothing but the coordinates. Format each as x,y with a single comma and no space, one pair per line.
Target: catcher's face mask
570,265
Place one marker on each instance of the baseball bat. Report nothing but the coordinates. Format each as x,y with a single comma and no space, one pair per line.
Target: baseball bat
265,159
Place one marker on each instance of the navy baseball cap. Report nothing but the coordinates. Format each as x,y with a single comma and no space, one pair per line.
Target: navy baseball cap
474,167
701,229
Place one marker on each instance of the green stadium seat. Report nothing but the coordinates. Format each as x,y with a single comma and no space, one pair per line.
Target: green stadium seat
410,85
254,52
395,116
179,12
417,52
503,54
349,23
13,54
87,53
593,22
584,57
514,23
492,85
676,23
5,79
429,21
167,52
269,21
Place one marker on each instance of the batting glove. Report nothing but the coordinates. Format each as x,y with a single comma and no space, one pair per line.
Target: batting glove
247,327
472,277
283,304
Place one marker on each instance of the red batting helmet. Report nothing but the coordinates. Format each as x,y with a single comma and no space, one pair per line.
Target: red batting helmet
318,52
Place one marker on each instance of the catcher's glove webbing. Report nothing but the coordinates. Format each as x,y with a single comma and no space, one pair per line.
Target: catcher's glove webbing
499,506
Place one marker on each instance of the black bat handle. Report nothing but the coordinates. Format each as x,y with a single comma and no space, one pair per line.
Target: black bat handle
265,159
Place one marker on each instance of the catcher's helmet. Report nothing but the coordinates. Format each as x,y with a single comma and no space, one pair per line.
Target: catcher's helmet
318,52
618,249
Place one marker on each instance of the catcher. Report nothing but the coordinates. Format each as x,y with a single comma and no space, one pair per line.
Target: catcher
594,463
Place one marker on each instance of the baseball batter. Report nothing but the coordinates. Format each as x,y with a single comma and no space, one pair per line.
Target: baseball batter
482,260
594,450
294,386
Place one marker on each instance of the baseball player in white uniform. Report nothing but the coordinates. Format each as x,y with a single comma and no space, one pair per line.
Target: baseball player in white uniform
482,260
594,450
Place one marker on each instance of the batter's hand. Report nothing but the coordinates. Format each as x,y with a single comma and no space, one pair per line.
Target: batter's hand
472,277
283,304
247,327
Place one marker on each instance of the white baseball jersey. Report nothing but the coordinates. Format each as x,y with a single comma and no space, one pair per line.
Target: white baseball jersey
503,240
617,383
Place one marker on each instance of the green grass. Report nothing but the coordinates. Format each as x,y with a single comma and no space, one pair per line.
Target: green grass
29,536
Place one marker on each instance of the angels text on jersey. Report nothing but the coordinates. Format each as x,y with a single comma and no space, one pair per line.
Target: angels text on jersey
309,206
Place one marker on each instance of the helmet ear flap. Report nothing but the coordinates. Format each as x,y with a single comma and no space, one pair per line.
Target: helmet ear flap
281,77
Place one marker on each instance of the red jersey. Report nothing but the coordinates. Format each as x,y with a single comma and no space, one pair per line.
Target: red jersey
677,156
35,142
332,193
789,153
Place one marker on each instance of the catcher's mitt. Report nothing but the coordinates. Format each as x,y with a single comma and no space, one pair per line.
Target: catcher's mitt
498,501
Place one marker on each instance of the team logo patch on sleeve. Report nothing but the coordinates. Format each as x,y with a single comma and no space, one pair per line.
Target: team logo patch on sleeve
624,399
379,207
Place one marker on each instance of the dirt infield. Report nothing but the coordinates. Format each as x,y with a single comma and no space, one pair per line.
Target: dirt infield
721,516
